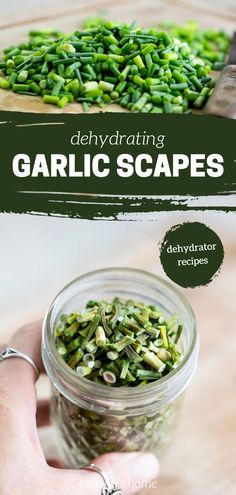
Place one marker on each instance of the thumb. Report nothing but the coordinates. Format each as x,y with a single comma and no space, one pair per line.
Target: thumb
131,472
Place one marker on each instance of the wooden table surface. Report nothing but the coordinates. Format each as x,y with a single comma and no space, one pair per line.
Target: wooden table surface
202,460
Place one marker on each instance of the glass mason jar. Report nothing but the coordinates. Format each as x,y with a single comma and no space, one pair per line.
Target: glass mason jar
90,419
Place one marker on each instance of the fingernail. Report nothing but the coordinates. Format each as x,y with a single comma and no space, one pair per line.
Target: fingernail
145,466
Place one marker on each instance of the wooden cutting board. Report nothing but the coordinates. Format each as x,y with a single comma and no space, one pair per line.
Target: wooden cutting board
16,21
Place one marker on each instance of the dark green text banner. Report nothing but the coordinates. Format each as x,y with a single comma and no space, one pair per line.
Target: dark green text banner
27,184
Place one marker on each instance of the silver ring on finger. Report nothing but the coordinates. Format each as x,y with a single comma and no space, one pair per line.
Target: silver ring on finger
10,353
110,487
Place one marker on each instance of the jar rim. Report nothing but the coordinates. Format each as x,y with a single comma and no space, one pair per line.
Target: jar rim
50,353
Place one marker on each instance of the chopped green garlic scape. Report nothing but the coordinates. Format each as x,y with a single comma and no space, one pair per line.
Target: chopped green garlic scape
122,343
142,70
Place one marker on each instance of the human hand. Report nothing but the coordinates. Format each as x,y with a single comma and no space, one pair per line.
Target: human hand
23,467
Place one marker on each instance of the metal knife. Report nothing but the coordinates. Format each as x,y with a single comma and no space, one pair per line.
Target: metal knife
222,103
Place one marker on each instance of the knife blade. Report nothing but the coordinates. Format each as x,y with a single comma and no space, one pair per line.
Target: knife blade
222,102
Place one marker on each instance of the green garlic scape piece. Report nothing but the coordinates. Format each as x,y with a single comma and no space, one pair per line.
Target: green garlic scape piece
122,343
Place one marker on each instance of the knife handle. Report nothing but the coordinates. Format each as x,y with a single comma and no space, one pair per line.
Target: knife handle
222,103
